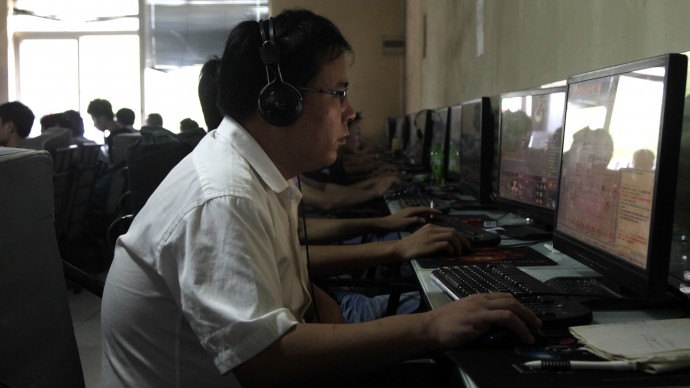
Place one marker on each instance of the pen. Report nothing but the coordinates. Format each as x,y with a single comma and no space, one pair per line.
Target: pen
579,365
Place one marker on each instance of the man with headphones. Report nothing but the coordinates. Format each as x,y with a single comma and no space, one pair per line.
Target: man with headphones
210,287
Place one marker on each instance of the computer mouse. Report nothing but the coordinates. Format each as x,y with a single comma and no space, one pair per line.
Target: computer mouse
503,338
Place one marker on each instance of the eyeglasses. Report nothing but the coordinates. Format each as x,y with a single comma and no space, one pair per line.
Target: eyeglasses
340,93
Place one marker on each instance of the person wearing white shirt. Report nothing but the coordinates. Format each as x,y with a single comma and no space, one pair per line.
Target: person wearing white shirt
209,287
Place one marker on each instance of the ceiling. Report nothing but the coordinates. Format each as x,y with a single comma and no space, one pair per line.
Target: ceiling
188,34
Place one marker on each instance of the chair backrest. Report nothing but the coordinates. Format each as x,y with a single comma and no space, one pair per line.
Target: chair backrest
64,174
148,165
81,187
121,144
50,140
36,335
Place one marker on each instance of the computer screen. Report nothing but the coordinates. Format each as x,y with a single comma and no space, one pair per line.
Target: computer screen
476,148
529,152
619,169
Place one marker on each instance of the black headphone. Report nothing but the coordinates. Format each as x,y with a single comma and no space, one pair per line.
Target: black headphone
279,102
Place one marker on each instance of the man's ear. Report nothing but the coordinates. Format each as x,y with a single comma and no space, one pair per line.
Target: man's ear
8,126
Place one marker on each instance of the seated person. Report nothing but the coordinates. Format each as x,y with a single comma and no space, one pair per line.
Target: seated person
353,163
101,112
125,119
209,286
16,120
332,196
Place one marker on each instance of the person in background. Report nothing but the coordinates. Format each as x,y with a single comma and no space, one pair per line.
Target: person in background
154,120
210,286
125,119
52,120
101,112
16,120
188,124
72,119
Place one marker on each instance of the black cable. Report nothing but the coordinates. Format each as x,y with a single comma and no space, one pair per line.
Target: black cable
306,248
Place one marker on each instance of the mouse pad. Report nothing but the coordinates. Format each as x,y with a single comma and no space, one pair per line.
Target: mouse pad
519,256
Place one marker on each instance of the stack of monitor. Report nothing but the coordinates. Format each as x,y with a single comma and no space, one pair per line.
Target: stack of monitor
595,162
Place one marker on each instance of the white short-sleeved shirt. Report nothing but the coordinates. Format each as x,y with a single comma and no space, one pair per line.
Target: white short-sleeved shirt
209,273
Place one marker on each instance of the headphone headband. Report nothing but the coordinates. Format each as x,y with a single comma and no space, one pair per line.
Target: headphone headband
269,50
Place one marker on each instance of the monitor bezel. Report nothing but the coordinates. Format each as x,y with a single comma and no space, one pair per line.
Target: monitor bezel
652,282
541,215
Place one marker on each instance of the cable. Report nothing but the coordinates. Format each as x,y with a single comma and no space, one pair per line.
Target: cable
306,248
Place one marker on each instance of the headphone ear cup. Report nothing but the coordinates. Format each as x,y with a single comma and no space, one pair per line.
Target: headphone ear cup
280,103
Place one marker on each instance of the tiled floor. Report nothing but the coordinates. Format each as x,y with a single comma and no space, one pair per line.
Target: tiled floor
85,308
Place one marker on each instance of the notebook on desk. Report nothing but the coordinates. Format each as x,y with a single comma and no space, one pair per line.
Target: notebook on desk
505,367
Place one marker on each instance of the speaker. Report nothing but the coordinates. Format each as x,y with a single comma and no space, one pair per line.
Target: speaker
279,102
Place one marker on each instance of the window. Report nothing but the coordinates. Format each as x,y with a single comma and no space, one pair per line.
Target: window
69,53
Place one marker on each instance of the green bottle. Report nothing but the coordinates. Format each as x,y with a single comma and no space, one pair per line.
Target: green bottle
436,165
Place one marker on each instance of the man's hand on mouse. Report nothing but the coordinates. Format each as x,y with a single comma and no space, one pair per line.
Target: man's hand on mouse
459,323
432,240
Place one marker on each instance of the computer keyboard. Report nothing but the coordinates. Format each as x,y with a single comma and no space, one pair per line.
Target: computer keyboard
554,310
422,200
477,236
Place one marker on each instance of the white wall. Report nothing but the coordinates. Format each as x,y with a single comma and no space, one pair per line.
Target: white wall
528,43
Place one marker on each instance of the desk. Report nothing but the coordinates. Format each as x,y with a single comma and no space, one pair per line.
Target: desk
497,368
473,365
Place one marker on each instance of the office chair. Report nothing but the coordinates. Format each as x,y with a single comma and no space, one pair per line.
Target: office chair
62,179
38,341
148,163
49,140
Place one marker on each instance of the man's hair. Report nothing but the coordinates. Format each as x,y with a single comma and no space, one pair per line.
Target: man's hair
75,122
51,120
154,119
208,93
125,116
100,108
307,41
187,124
20,115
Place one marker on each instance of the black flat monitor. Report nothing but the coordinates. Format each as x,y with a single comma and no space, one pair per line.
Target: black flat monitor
476,148
619,167
417,139
396,133
423,134
529,152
